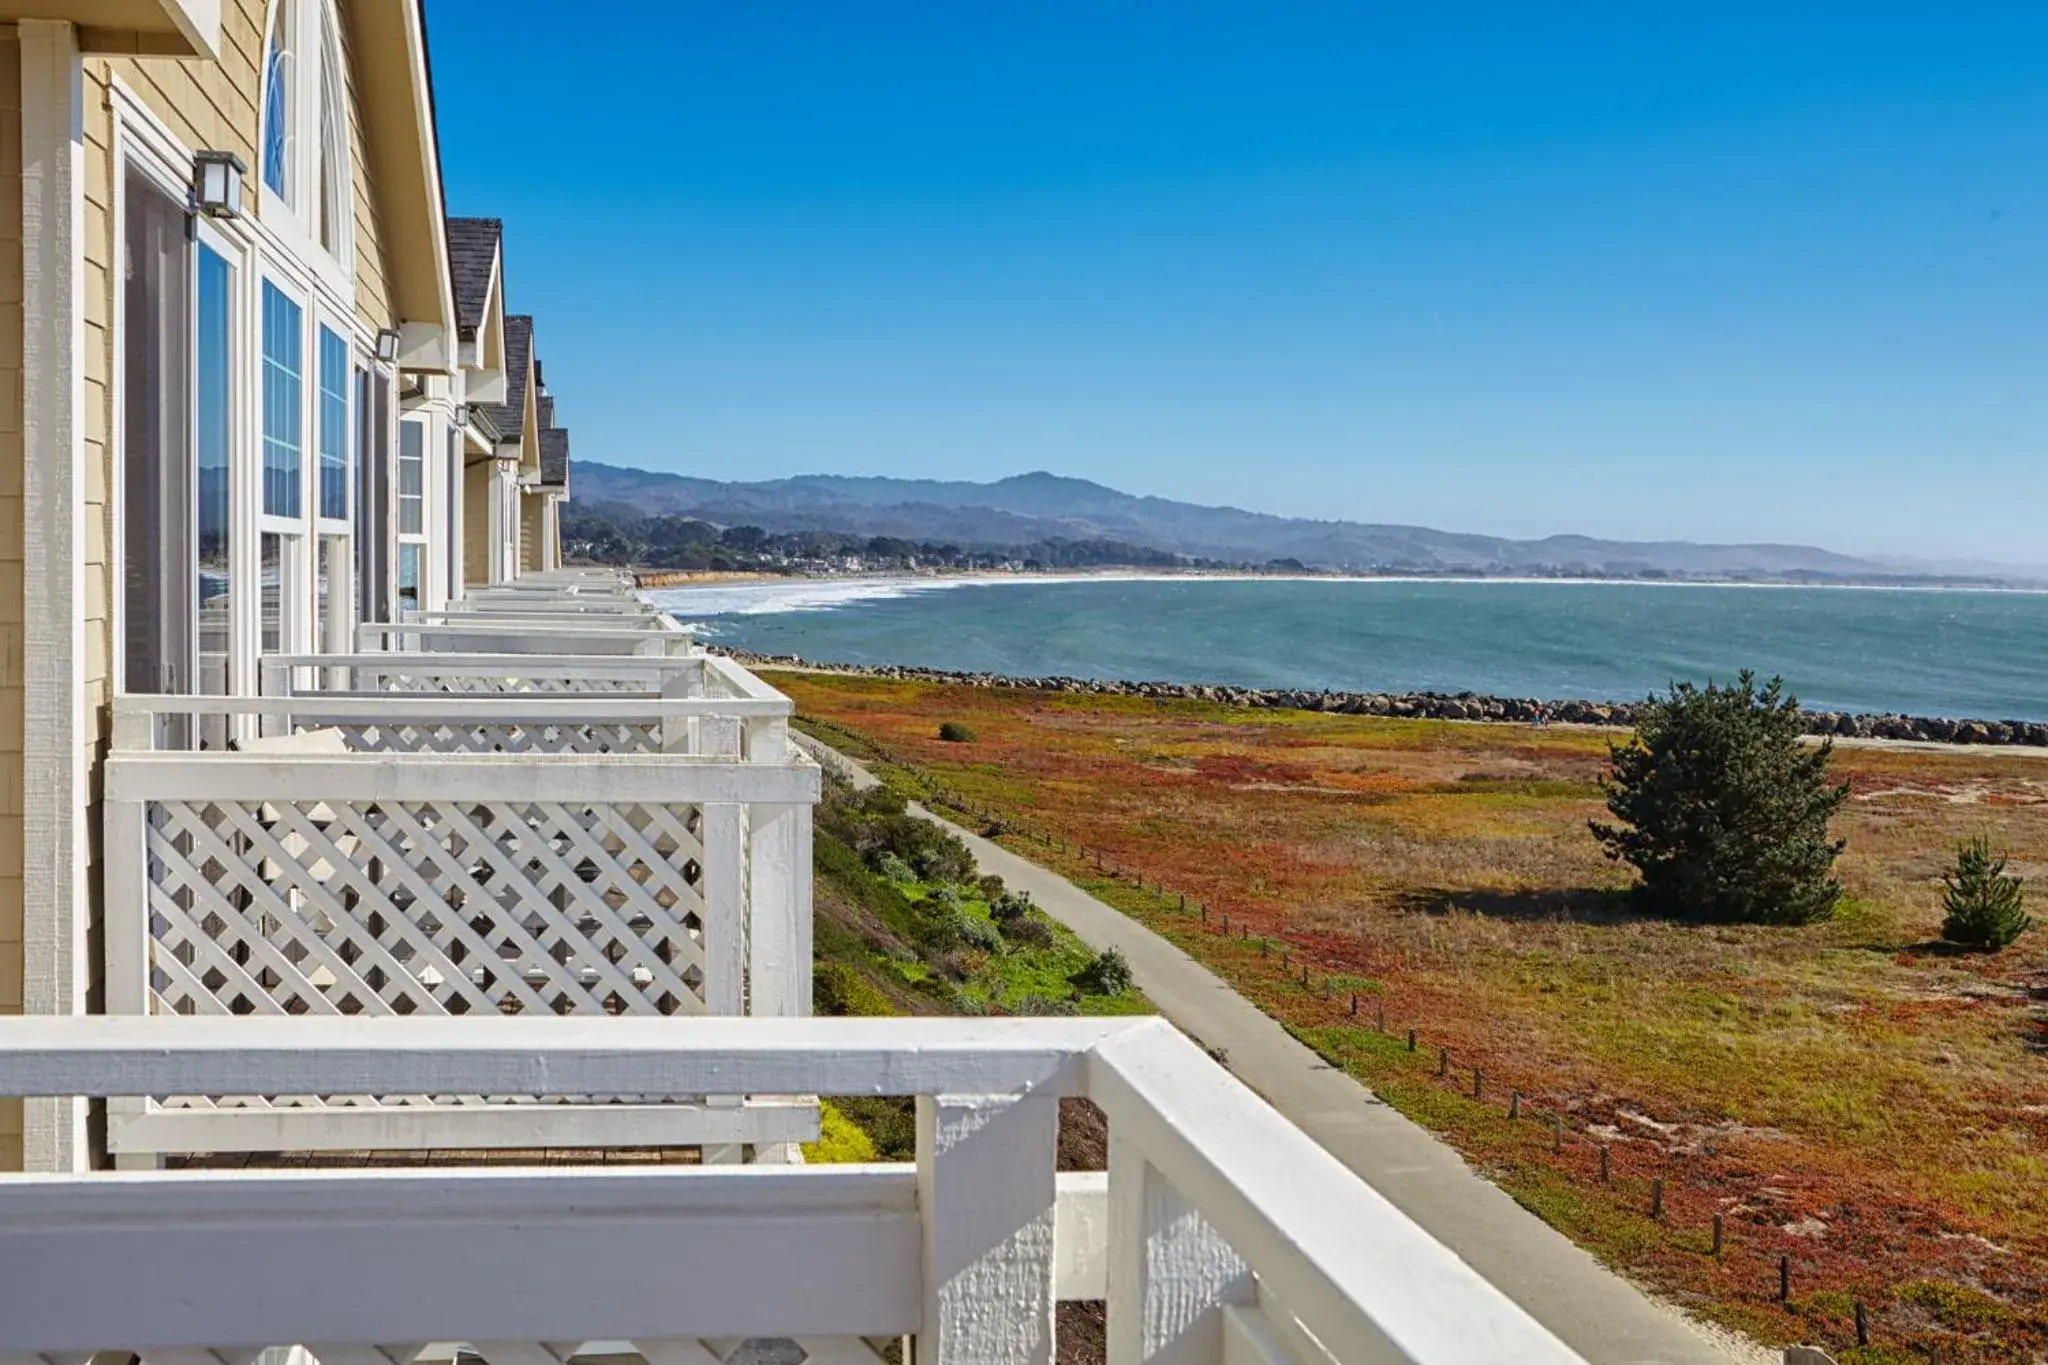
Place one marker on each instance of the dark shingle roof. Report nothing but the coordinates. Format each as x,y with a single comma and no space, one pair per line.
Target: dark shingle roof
545,404
473,245
554,457
510,416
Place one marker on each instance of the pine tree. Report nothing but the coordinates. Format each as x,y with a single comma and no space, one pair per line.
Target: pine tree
1723,808
1984,904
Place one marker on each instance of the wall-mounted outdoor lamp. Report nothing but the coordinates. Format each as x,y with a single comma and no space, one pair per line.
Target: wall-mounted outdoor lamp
217,183
387,345
462,414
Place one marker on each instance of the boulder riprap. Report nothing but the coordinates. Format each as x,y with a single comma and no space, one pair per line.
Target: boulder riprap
1427,705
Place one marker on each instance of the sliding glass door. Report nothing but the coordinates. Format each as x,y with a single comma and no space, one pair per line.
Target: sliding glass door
156,544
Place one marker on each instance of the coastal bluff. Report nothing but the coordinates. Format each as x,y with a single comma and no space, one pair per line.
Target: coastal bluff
1424,705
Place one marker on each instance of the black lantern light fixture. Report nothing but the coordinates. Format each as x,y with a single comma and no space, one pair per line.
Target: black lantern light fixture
217,183
462,414
387,345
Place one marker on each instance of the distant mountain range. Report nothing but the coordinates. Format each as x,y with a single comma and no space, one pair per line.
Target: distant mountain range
1035,507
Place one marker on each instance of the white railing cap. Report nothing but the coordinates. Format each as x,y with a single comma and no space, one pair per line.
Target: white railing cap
103,1056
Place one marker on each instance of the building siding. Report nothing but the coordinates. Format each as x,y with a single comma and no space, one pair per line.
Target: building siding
476,522
204,105
12,603
532,528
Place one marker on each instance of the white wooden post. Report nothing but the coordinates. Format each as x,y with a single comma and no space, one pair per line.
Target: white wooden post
126,860
1170,1273
779,910
683,683
722,829
55,954
767,739
985,1194
718,736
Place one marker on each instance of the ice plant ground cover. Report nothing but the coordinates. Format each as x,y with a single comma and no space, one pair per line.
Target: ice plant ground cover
1851,1095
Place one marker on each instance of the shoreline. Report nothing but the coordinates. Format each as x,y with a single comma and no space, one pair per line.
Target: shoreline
1466,706
659,579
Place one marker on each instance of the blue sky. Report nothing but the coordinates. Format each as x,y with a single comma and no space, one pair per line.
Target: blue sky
1508,268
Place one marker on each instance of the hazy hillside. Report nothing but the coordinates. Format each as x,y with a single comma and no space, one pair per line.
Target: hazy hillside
1031,507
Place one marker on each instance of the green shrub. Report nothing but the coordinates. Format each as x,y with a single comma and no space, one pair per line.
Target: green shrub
839,989
976,932
883,800
1039,1006
840,1142
1723,808
1009,907
954,732
1107,973
990,887
1986,907
1026,931
890,1121
895,869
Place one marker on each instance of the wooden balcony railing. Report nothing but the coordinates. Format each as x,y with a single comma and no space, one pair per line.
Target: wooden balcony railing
490,854
1220,1232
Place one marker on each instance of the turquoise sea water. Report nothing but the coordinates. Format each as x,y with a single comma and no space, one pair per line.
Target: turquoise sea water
1965,654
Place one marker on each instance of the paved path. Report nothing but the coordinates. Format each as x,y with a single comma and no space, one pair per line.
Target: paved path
1596,1312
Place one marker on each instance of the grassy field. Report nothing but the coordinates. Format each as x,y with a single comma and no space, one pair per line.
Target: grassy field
1850,1097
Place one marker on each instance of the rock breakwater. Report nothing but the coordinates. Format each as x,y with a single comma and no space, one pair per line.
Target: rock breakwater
1427,705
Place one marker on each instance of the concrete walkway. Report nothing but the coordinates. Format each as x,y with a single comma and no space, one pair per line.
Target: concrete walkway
1595,1311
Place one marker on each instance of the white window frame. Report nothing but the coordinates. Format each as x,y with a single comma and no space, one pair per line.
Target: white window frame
341,595
141,140
295,593
313,30
429,420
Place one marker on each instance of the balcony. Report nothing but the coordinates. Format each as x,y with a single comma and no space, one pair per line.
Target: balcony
420,834
1219,1233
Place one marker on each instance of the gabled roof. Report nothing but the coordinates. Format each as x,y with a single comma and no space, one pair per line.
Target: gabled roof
510,416
554,457
546,406
388,40
473,246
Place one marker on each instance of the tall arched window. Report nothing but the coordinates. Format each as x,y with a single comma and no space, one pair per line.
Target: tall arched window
279,108
336,181
305,106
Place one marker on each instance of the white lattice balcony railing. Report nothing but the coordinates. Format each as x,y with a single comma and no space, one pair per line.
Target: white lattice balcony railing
658,635
596,859
696,703
1220,1233
551,603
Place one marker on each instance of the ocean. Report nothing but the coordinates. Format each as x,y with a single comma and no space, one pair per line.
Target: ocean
1982,655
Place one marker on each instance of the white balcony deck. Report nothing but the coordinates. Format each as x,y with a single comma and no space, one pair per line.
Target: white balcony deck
460,834
1219,1234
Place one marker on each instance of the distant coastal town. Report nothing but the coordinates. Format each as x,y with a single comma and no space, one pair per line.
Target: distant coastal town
670,551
